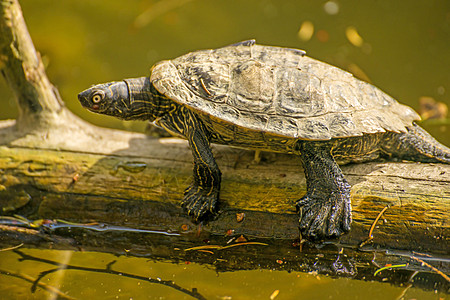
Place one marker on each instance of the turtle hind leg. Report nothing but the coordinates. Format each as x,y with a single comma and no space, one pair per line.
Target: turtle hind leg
416,145
325,210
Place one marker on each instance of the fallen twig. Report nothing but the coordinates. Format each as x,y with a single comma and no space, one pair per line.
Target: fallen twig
12,248
218,247
18,229
370,238
432,268
389,267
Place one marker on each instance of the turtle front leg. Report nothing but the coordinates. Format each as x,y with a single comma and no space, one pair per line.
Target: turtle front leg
201,197
325,210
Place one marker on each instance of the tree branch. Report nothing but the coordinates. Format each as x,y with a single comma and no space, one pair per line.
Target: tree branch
22,67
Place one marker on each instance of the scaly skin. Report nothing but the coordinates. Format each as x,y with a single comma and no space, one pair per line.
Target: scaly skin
325,210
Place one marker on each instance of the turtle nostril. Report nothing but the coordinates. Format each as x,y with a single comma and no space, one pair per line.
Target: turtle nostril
82,99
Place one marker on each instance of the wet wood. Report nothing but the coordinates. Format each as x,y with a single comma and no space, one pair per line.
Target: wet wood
128,179
226,256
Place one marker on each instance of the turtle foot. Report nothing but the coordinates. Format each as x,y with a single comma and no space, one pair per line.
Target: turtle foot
200,202
324,218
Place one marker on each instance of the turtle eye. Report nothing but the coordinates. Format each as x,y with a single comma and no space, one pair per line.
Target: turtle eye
97,97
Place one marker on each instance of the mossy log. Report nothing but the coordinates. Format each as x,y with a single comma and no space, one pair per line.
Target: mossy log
128,179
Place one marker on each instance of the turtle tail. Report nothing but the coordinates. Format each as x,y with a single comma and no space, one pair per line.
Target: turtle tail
416,145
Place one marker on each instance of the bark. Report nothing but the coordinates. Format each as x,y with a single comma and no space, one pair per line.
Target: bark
23,69
129,179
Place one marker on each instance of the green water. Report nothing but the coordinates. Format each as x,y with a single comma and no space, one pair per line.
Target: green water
254,284
404,51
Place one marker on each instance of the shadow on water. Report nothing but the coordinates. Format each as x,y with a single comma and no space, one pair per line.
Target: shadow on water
161,231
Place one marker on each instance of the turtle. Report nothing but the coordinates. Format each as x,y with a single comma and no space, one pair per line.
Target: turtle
272,99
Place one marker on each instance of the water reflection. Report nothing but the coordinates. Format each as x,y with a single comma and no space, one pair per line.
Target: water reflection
113,254
57,274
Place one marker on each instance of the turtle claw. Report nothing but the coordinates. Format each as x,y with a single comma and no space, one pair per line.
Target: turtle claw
324,218
199,203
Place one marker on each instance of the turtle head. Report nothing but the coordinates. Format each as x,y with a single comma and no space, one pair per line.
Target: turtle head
107,98
128,99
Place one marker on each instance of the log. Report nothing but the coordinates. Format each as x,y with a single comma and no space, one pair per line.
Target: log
49,150
123,199
54,166
129,179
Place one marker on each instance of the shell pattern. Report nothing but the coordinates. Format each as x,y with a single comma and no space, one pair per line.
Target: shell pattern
279,91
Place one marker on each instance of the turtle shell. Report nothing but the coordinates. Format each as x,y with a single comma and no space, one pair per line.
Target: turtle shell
279,91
